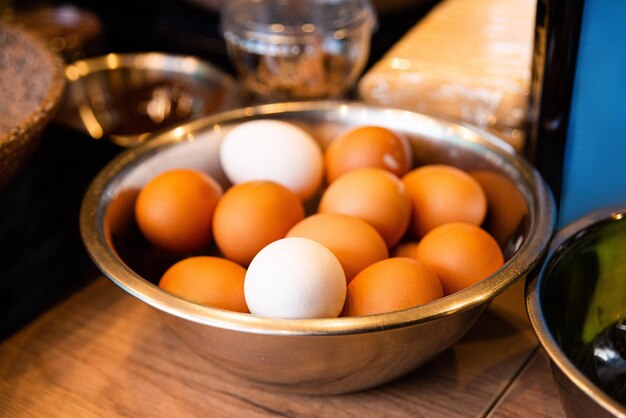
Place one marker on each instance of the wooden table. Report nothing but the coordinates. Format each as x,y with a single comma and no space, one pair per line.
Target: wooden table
103,353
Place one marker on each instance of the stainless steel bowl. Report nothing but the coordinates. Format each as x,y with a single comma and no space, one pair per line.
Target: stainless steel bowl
323,356
126,97
559,301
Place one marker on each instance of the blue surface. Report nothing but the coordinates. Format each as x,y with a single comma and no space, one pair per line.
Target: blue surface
594,173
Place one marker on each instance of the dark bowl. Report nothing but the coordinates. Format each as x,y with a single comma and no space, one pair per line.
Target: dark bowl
574,304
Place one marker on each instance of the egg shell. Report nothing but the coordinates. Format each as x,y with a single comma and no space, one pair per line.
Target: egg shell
391,285
461,255
506,207
251,215
174,210
276,151
210,281
374,195
443,193
354,242
406,249
295,278
368,146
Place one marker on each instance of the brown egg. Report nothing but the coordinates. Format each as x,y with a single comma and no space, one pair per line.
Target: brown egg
405,249
391,285
506,207
442,193
461,255
368,146
174,210
374,195
119,217
210,281
251,215
354,242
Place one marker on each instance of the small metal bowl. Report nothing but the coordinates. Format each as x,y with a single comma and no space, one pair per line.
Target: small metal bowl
31,85
126,97
322,356
558,302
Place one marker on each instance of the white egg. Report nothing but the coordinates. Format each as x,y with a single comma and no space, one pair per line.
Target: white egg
273,150
295,278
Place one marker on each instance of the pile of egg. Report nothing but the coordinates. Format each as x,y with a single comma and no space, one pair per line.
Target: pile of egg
383,235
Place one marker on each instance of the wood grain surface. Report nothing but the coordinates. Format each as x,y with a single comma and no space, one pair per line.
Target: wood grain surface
103,353
531,394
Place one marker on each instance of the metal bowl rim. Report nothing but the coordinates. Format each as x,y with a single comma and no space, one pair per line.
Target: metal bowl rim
526,258
562,240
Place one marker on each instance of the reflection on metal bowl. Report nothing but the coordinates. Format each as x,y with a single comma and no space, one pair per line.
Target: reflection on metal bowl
129,96
322,356
578,295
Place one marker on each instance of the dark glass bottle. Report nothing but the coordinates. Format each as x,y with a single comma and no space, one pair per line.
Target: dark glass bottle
577,110
557,31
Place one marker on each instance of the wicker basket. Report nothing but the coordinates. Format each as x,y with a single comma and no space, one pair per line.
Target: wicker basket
32,81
